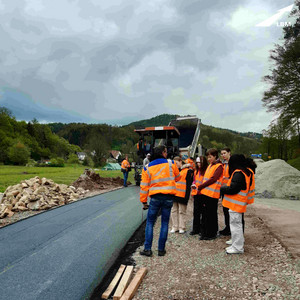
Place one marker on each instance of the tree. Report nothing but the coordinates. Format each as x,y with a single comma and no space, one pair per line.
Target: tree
19,154
283,95
99,149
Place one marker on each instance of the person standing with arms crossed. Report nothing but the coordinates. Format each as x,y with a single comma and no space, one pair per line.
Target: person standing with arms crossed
158,182
210,194
225,153
125,169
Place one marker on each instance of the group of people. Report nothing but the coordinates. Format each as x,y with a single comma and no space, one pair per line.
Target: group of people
169,183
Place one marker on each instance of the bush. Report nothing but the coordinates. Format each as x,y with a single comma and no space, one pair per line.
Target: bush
88,161
73,159
18,154
57,162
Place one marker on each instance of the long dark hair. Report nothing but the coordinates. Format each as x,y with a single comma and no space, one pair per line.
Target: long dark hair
203,165
238,161
251,164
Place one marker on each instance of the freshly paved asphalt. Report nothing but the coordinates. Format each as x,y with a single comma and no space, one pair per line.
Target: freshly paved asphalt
65,253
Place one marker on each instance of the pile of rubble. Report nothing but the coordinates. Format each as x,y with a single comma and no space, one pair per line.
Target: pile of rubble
37,194
277,179
90,180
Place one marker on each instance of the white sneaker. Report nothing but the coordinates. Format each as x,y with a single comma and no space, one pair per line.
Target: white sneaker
233,251
173,230
227,248
181,231
229,242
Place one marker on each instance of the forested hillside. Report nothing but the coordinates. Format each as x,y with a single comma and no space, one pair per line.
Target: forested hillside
124,139
20,141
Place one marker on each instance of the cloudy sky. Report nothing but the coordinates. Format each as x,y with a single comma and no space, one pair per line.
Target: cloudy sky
117,61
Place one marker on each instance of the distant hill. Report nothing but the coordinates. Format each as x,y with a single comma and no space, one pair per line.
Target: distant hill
161,120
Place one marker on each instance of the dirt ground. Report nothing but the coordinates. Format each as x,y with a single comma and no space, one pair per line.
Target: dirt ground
194,269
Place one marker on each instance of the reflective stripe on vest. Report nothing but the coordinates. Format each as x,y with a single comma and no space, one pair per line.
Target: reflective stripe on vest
158,178
181,184
225,174
239,201
212,190
251,192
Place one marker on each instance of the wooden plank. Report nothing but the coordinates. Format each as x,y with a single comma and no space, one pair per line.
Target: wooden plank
136,281
123,283
114,282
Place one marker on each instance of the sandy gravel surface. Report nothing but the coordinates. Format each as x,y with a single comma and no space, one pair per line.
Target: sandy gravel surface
194,269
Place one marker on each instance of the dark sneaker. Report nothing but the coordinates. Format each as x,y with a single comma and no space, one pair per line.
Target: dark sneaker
194,233
162,253
146,252
206,238
225,232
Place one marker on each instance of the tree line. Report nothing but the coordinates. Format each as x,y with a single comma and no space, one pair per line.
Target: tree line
21,141
282,138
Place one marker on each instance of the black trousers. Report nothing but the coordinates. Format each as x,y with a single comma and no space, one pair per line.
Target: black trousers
210,216
198,214
226,218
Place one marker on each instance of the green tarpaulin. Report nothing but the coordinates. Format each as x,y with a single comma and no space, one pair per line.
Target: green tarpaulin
112,166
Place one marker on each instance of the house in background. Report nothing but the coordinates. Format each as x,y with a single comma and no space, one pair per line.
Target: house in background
114,155
81,155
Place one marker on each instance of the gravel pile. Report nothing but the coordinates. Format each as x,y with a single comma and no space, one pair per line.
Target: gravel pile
277,179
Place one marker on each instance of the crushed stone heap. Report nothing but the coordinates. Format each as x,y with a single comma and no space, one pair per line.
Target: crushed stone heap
277,179
37,194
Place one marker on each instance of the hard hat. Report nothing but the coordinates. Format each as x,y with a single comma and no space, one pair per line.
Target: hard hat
148,154
198,159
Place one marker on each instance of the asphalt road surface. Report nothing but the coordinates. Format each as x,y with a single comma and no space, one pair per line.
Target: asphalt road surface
65,253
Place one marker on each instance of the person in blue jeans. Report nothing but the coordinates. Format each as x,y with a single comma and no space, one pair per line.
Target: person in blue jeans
158,183
125,166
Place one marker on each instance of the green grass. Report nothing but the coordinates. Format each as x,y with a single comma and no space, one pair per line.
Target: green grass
11,175
295,163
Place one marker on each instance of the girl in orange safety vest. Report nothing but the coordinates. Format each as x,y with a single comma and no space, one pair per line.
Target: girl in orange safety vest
183,189
201,166
236,199
210,193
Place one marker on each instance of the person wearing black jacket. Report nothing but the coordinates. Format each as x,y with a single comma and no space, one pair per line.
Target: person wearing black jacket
238,183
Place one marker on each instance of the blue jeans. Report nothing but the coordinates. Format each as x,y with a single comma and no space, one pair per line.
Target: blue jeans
125,178
154,206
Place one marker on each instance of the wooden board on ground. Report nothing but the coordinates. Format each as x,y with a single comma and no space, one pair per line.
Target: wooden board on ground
136,281
114,282
123,283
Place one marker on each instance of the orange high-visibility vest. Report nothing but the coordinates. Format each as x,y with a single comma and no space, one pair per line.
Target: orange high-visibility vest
181,183
239,201
198,179
159,177
125,164
191,162
212,190
251,192
225,173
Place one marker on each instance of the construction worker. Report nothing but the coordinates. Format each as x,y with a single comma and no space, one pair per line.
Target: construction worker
158,182
201,166
125,168
225,153
236,199
183,190
146,160
210,193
